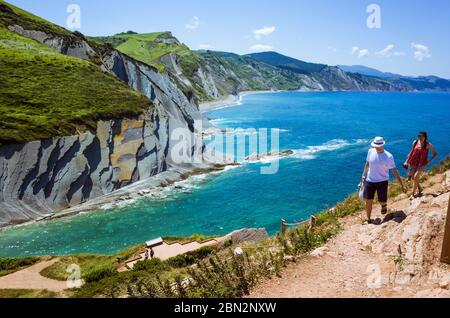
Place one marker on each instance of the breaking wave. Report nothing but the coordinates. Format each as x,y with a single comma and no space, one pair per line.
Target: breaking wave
311,152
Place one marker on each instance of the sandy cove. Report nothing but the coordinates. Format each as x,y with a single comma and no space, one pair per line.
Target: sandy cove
230,101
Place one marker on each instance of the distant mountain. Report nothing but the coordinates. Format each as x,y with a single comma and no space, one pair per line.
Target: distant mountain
421,83
364,70
287,63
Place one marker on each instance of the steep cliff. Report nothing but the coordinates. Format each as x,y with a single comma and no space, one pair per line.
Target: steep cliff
43,177
211,75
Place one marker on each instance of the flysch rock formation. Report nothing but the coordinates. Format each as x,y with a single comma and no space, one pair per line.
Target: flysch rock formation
41,178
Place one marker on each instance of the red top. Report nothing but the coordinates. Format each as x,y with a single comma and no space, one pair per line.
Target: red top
419,155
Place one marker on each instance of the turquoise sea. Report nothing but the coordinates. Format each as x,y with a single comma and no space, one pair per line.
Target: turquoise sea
330,134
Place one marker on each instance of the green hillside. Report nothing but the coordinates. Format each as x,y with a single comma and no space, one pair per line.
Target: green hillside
287,63
44,94
12,15
245,73
150,47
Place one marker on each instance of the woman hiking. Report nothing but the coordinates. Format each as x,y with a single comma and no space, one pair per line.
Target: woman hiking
417,161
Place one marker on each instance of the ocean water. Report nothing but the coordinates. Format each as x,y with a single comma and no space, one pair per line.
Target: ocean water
330,135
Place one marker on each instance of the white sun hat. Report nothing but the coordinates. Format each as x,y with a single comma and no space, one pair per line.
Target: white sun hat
378,142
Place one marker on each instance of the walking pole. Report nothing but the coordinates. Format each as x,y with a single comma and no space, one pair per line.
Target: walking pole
445,258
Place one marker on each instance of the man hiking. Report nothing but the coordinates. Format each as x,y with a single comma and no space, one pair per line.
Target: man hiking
376,176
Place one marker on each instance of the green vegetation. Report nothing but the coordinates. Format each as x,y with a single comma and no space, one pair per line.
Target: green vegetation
11,265
92,266
193,238
191,258
443,166
122,284
12,15
154,265
223,273
246,73
213,272
288,63
25,293
150,47
44,94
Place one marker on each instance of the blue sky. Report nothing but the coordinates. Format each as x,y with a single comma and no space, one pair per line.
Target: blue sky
412,40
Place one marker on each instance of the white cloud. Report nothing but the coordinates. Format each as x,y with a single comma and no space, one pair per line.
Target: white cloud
388,51
360,52
363,53
194,24
265,31
355,49
421,52
261,47
206,47
332,48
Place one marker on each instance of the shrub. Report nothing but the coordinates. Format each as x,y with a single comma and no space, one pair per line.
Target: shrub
443,166
98,273
151,265
234,276
15,263
190,258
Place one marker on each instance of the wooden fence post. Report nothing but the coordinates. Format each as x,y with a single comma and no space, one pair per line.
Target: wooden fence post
445,256
312,222
283,227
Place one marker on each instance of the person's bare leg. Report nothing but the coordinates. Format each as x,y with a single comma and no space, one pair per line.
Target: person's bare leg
417,182
384,208
369,206
419,175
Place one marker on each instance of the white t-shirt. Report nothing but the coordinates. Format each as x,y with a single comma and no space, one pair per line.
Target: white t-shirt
379,165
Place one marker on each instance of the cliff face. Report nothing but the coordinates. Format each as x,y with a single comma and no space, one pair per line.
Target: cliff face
211,75
334,79
44,177
219,74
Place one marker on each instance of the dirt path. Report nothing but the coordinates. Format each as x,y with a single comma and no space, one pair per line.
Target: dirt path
361,260
341,269
166,251
29,278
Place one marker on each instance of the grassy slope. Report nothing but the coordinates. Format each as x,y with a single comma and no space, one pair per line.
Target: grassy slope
256,75
11,265
288,63
148,49
12,15
91,263
145,48
25,293
44,94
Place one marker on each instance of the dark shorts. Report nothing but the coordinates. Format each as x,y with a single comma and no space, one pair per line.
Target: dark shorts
381,188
